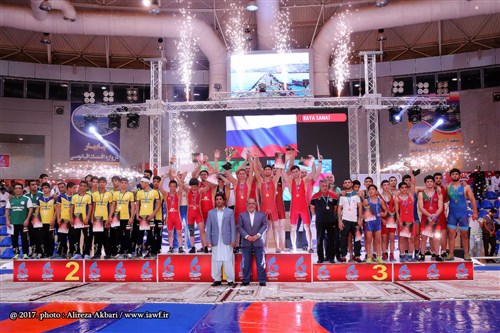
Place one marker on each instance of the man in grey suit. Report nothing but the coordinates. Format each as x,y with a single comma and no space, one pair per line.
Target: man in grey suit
221,236
252,224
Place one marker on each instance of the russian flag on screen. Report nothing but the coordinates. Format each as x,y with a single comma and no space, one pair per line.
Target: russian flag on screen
267,134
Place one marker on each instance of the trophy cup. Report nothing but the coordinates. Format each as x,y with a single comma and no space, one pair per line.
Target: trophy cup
230,152
415,172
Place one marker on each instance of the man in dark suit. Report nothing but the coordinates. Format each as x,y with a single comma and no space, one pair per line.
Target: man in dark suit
252,224
221,236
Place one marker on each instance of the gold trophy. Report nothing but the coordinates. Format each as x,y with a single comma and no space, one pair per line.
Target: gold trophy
230,152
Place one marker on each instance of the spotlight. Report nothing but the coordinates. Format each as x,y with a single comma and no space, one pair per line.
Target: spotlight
132,94
414,114
89,97
395,115
217,86
133,120
108,96
381,3
160,46
262,87
381,37
146,3
90,123
45,6
441,113
155,9
252,6
46,39
114,121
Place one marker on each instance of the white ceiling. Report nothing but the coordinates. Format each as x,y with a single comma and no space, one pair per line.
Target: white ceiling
307,17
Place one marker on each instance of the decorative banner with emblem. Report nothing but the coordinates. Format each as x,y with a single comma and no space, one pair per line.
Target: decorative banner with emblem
428,271
279,268
185,268
120,271
48,271
352,272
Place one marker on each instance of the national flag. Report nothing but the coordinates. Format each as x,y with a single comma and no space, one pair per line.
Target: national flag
265,134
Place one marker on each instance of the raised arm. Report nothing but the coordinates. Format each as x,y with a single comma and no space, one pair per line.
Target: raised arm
231,178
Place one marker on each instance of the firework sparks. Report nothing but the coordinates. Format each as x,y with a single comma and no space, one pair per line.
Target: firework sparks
342,52
431,162
79,171
183,144
281,29
187,47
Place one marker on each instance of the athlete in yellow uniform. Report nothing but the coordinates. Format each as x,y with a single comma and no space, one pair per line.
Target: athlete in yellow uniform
63,216
148,203
81,207
124,208
102,200
44,236
158,229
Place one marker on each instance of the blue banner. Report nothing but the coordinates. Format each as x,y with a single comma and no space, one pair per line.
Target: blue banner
92,141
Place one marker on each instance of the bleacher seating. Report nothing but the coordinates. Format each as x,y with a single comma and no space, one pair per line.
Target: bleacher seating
3,231
8,253
482,213
486,204
6,242
490,195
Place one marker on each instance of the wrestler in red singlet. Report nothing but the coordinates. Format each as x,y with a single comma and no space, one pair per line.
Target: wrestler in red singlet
241,196
299,206
207,202
268,205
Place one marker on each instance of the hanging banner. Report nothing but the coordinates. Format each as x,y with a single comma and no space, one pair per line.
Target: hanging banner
90,138
438,134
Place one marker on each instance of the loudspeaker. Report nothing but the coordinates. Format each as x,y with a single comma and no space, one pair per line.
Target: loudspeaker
59,110
496,97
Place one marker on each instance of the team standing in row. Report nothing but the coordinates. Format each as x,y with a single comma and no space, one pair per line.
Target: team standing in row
118,219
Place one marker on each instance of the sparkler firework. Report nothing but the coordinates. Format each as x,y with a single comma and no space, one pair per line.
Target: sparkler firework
187,47
342,52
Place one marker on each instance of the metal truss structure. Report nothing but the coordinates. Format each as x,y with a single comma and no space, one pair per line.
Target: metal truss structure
155,120
371,103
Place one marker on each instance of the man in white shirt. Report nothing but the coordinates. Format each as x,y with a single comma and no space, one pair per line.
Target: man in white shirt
349,215
4,196
495,182
252,224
